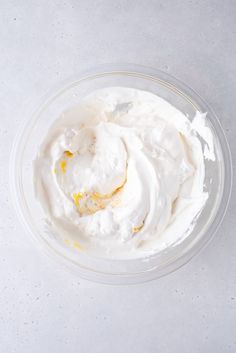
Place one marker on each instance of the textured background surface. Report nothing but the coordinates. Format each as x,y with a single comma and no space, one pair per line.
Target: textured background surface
42,307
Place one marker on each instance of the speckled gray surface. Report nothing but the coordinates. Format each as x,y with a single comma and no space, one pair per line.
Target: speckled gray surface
43,308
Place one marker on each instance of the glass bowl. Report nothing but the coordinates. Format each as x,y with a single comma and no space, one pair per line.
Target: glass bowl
218,178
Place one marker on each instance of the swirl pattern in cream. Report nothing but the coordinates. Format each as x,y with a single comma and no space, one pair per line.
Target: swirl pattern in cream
121,174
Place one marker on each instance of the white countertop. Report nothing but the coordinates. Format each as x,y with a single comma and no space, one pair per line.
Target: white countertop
43,307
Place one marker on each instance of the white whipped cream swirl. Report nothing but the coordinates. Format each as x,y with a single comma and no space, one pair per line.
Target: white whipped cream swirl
121,174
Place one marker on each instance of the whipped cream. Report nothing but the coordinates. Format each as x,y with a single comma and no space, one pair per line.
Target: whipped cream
122,174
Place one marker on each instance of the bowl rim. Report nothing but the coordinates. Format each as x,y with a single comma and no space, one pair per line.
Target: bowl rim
169,81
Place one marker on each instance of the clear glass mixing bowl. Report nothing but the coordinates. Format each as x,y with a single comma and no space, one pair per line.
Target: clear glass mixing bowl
218,178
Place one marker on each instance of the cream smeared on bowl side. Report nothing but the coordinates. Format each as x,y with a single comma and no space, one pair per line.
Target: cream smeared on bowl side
122,174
